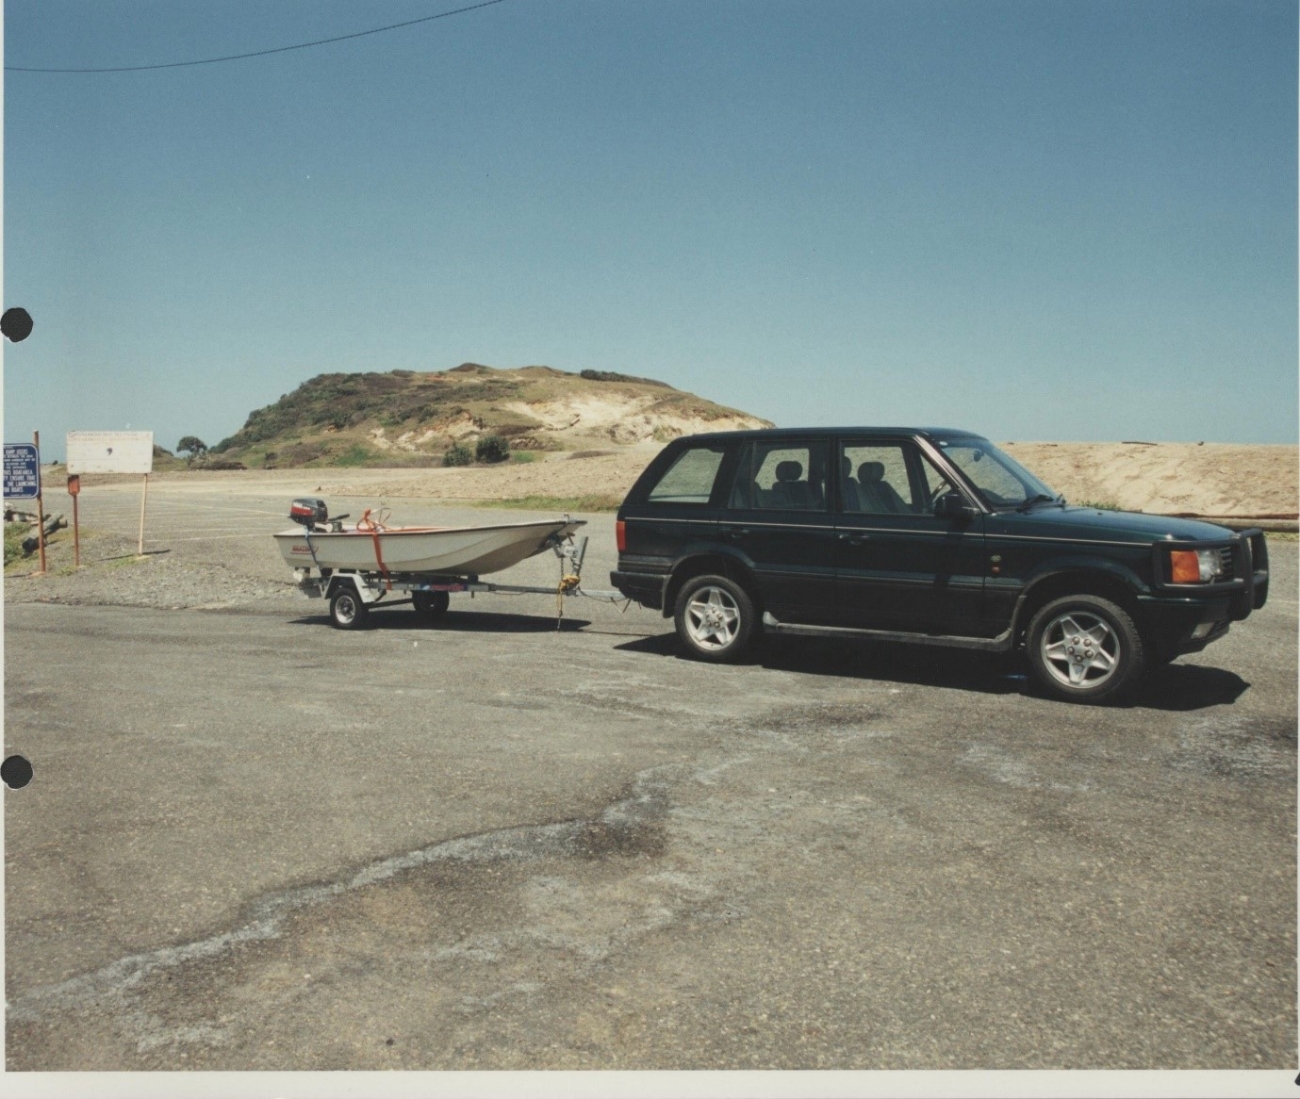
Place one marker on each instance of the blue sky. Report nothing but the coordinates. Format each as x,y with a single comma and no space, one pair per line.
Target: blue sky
1038,220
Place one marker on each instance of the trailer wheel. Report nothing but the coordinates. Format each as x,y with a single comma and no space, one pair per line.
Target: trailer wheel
347,612
430,604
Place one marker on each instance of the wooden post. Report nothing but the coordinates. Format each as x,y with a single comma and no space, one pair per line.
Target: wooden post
74,490
40,504
143,497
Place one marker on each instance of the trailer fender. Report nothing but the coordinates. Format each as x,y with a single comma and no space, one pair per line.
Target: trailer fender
367,593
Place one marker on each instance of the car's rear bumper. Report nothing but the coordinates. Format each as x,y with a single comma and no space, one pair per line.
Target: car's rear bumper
641,587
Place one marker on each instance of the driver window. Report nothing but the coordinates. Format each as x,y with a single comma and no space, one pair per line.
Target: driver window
874,480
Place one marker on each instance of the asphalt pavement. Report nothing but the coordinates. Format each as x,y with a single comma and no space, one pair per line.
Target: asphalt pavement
255,842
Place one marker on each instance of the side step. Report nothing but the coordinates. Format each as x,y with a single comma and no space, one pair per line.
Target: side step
999,644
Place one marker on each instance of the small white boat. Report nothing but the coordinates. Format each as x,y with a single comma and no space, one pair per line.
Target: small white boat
369,546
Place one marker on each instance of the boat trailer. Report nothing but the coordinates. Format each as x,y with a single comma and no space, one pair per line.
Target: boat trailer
353,593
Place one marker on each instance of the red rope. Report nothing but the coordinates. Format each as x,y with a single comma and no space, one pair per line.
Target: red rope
374,528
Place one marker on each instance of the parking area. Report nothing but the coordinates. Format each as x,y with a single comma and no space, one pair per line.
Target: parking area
255,842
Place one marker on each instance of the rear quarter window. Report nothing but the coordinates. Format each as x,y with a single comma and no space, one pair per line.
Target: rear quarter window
689,480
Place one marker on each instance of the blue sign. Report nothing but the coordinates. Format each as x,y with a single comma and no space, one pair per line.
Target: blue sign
22,471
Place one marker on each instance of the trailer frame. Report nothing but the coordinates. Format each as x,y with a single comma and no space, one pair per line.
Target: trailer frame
353,593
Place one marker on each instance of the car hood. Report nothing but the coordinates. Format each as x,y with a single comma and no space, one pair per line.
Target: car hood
1092,523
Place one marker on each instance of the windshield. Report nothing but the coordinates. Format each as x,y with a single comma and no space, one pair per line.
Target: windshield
1002,481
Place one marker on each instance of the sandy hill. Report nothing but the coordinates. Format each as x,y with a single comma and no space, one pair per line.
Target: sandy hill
410,418
1210,479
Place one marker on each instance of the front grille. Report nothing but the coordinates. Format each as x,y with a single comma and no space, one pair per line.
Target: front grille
1228,562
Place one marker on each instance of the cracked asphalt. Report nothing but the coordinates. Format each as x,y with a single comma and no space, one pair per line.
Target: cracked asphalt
254,842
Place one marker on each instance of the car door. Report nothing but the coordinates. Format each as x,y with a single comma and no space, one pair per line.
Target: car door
898,566
777,516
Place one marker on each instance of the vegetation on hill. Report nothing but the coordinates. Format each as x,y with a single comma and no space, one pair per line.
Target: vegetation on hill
404,417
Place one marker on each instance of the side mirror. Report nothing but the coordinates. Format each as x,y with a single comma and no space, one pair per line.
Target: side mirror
952,505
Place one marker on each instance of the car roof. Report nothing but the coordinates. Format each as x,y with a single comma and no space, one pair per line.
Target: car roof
816,432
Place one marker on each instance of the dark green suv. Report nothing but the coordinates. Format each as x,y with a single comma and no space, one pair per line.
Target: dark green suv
922,535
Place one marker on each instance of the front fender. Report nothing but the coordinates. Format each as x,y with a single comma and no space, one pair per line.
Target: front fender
1082,564
1077,572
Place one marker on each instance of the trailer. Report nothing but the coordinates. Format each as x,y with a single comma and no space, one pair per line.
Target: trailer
353,593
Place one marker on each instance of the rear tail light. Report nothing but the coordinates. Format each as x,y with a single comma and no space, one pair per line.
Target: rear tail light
620,535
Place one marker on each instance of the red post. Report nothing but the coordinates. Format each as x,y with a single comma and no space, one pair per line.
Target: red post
74,489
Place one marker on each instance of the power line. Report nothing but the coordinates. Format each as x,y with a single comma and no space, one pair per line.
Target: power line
261,53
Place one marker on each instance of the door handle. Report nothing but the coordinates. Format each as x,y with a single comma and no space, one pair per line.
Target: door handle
854,539
734,534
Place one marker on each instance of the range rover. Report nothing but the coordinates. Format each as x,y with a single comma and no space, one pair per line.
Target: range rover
927,536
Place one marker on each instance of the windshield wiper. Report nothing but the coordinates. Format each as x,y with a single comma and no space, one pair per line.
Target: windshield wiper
1040,498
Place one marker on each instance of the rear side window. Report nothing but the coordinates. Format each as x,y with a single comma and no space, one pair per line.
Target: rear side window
782,476
689,480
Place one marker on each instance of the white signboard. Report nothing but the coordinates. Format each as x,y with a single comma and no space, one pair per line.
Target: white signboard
110,451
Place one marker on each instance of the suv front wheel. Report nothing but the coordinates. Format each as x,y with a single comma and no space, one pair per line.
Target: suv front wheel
715,618
1083,648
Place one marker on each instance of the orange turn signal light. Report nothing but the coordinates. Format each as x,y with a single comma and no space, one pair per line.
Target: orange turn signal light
620,535
1184,568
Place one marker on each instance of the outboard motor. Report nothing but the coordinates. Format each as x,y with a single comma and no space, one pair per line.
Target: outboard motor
310,511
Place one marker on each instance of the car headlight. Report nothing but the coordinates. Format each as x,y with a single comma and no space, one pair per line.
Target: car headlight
1194,566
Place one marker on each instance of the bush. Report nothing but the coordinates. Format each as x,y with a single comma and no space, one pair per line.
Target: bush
356,455
457,455
492,448
14,535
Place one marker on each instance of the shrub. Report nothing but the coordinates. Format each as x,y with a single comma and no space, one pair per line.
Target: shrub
457,455
356,455
492,448
14,535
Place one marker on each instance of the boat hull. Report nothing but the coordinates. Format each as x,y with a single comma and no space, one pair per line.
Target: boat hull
447,551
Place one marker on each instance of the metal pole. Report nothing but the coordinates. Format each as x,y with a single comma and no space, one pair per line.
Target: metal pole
143,497
40,504
76,535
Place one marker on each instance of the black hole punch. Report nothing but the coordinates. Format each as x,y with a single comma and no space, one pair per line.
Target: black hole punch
16,324
16,772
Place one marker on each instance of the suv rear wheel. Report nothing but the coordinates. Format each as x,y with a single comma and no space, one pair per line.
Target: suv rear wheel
715,618
1083,648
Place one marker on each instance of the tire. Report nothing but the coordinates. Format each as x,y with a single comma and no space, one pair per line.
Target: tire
347,612
1083,648
431,604
715,618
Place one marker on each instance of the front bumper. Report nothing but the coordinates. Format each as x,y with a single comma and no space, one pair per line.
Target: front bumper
1184,618
1177,626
